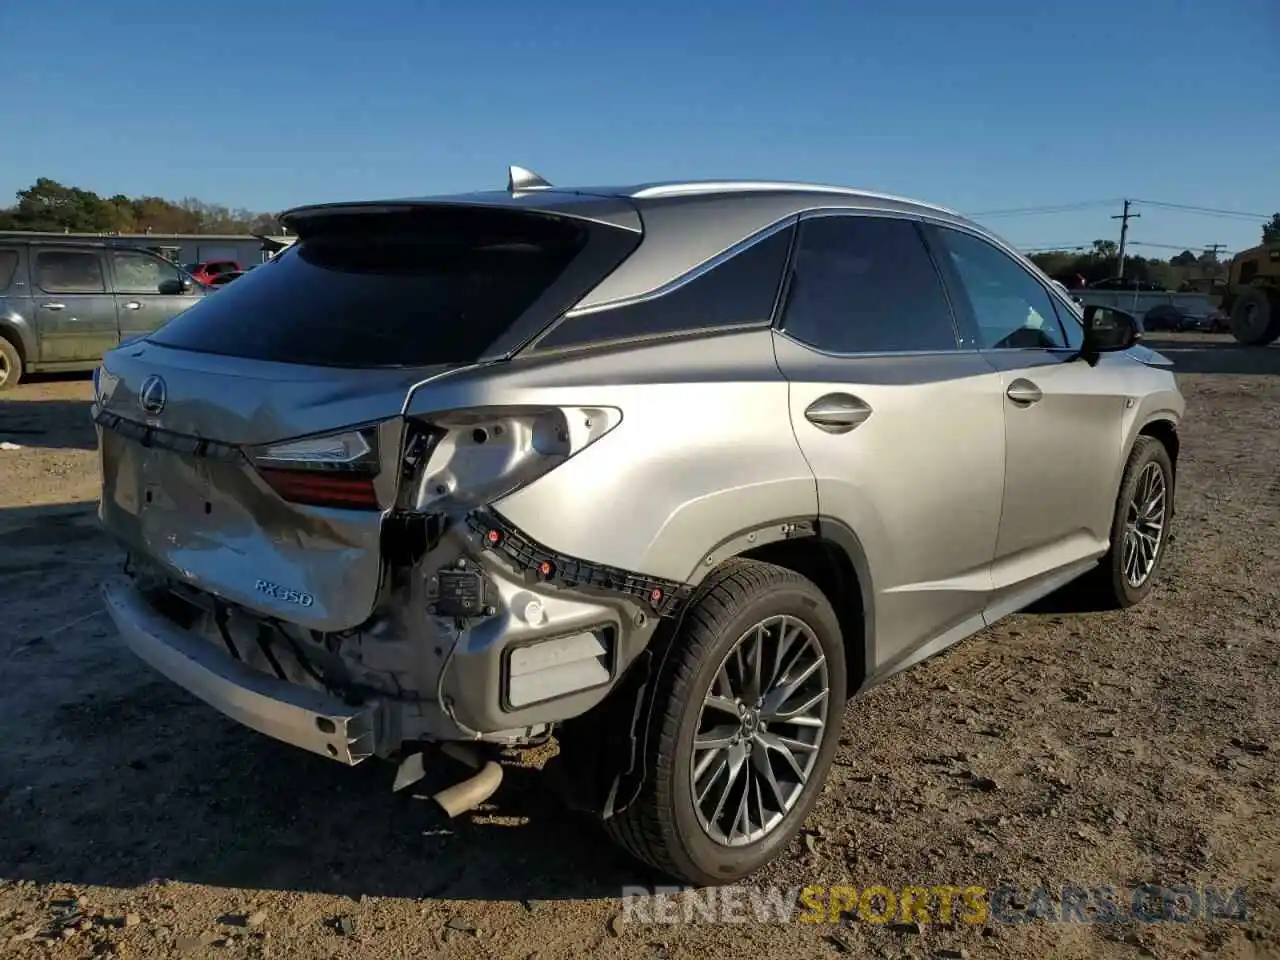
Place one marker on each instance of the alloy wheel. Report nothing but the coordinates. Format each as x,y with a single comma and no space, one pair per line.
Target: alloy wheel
759,730
1144,525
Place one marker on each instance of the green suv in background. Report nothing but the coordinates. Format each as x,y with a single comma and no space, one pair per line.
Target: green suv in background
64,303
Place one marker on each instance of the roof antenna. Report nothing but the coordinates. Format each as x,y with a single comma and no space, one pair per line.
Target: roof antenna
518,178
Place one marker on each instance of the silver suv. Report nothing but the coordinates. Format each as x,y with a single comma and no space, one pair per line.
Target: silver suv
669,471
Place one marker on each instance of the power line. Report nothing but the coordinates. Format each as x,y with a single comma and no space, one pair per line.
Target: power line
1213,247
1088,245
1091,204
1206,211
1052,208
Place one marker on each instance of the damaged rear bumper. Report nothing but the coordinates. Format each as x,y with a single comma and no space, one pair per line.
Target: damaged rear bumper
297,715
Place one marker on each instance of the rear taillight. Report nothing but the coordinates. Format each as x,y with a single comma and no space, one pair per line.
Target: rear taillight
346,491
335,470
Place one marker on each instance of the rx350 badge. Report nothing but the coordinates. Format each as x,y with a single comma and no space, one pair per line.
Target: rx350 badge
277,592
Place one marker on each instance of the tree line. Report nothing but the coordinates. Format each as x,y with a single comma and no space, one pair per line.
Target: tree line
48,205
1184,270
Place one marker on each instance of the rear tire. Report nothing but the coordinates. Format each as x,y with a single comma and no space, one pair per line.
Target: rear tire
1116,583
10,365
666,826
1255,317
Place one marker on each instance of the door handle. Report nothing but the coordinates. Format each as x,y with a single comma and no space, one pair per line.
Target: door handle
1023,392
53,306
837,412
133,305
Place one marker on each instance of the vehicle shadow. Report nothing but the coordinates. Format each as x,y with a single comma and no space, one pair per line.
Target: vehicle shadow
1209,353
1073,598
260,815
48,424
112,776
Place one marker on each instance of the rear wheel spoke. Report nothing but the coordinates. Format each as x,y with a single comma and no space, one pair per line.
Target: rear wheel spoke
759,730
733,771
721,704
716,738
778,697
780,747
764,767
798,714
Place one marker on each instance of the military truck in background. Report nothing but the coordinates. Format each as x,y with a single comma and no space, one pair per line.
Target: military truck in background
1251,298
1246,302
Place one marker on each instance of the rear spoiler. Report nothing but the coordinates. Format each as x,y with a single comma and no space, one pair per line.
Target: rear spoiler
616,212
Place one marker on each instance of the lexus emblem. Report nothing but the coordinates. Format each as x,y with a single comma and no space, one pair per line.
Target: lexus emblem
152,395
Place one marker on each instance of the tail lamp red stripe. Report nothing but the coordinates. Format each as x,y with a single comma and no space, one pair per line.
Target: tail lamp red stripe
352,491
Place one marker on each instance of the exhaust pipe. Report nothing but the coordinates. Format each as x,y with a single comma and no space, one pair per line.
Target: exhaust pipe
476,789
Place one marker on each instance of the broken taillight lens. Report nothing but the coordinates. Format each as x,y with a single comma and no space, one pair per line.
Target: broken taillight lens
334,470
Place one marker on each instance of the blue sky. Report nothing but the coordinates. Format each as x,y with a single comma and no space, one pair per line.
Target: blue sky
979,105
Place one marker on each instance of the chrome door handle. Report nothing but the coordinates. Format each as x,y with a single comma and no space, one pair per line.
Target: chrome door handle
53,306
133,305
1023,392
837,412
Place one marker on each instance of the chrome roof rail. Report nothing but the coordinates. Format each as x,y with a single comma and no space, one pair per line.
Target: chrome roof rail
693,188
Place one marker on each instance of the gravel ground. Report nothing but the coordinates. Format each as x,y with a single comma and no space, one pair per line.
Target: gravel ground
1059,748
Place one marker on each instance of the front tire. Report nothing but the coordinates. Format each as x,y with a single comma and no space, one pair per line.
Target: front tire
745,722
1139,529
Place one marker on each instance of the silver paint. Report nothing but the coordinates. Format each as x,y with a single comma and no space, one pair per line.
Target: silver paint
970,482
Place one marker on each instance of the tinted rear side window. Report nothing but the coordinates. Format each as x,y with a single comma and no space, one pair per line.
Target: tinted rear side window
866,285
740,290
8,267
385,290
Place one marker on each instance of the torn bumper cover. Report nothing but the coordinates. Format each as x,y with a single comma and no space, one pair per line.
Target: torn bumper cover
303,717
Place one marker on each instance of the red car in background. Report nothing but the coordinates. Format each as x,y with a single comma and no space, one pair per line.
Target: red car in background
205,271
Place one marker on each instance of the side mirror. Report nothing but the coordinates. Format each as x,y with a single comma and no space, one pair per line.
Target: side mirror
171,288
1108,330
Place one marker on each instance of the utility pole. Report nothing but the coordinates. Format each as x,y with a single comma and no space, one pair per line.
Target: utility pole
1212,268
1124,219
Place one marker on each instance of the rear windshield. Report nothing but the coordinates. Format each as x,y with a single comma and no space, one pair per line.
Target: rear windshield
384,290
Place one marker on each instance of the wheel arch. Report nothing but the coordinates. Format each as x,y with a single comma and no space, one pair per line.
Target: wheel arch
608,740
1164,429
18,334
830,554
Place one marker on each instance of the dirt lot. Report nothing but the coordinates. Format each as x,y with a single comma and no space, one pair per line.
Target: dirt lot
1060,748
